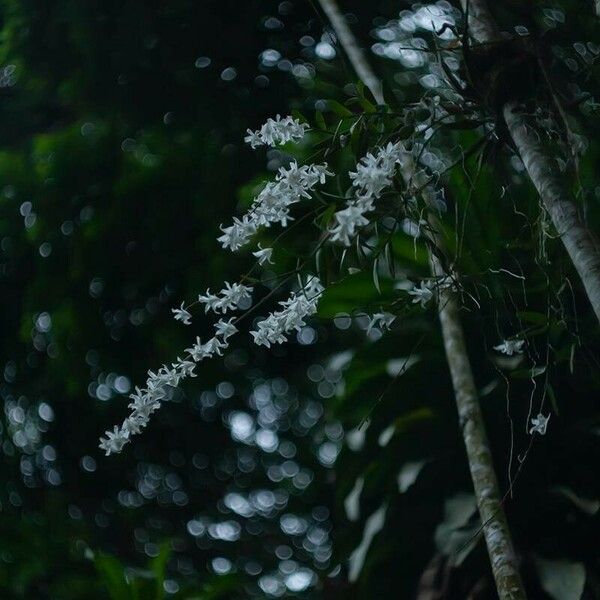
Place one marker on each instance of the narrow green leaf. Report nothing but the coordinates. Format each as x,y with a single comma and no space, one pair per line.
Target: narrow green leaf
376,275
112,575
320,120
339,109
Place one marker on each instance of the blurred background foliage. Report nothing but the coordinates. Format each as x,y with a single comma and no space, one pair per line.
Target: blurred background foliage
333,469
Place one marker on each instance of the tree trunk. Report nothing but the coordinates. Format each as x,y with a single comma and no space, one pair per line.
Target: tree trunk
542,170
487,492
546,178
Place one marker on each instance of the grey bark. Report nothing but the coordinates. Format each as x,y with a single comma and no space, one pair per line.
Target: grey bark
482,26
352,49
543,172
554,192
487,492
485,483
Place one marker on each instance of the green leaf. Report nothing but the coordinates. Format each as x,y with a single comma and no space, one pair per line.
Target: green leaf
561,579
528,373
158,567
408,253
353,292
320,120
376,275
298,115
339,109
368,106
112,575
537,318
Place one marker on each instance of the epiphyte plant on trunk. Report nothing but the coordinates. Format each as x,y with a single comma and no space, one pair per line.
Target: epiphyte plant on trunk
354,214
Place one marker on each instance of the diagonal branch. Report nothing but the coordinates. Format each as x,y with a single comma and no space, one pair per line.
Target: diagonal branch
355,55
554,191
485,483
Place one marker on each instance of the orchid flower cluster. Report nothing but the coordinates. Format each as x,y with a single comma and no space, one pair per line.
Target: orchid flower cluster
295,310
271,330
272,205
291,185
276,131
374,173
146,400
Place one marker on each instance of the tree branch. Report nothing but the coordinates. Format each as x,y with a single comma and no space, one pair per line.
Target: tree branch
353,51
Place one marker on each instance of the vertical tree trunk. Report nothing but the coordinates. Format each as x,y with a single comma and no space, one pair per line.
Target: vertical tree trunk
542,170
485,483
487,492
546,178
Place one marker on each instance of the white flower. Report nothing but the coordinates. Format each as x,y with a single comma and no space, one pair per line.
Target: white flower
272,205
227,299
263,255
347,221
114,440
186,368
422,294
540,423
383,320
215,346
510,347
134,423
181,314
374,173
225,329
276,131
253,138
295,310
237,235
200,351
144,404
313,288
